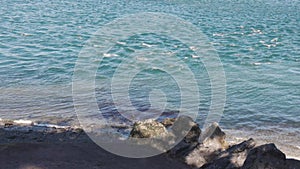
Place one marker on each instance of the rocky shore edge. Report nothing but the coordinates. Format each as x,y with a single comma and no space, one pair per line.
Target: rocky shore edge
206,149
210,150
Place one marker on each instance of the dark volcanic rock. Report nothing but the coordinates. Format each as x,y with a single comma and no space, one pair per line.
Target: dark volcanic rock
245,145
232,158
184,122
214,136
268,157
190,141
211,151
213,142
293,164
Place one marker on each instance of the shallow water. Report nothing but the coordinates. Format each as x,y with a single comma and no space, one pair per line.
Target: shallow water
257,42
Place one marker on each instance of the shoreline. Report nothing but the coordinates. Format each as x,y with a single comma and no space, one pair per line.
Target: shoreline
27,145
292,151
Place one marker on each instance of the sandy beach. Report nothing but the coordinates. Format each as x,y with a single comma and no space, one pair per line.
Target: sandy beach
32,146
53,148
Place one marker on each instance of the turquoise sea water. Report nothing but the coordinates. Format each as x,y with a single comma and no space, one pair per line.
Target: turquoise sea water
258,43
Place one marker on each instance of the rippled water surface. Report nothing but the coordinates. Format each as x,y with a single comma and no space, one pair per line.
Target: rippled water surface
258,43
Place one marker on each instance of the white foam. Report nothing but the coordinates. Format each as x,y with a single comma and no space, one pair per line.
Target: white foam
195,56
109,55
97,46
274,40
28,122
51,126
256,31
218,34
267,45
193,48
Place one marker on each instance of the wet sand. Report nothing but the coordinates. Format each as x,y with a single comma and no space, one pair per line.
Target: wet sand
75,156
52,148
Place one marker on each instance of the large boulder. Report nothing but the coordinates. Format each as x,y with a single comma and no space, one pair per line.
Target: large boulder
168,133
212,143
148,129
210,151
178,127
213,136
268,157
152,135
232,158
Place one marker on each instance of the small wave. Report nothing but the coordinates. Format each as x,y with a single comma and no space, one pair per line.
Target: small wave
195,56
193,48
266,44
294,70
26,34
260,63
257,31
147,45
274,40
110,55
121,43
142,59
218,34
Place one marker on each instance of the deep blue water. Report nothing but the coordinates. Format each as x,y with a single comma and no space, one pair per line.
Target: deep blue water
258,43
